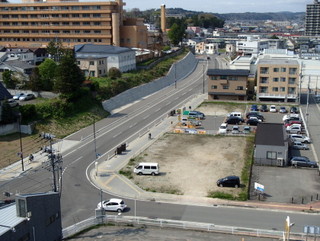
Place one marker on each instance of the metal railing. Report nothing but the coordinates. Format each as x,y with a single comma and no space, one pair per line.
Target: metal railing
166,223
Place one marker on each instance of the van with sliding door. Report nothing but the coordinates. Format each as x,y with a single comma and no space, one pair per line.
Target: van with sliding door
147,168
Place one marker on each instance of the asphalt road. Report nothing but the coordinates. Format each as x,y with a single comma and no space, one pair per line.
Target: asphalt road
79,197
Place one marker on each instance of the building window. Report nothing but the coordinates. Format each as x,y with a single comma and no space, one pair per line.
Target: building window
86,15
275,89
291,90
65,15
264,80
96,15
292,70
232,78
239,88
271,155
283,69
264,70
276,79
75,15
91,62
223,77
263,89
213,77
292,81
214,87
76,23
282,89
75,7
97,23
282,79
86,23
275,70
96,7
225,87
85,7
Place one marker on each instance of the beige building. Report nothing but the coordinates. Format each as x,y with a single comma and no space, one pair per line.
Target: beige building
227,84
277,80
35,23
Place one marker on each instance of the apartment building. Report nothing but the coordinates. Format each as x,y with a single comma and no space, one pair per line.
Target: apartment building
34,23
227,84
312,19
277,80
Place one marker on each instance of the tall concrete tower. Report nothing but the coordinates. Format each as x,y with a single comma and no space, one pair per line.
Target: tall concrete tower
163,18
312,19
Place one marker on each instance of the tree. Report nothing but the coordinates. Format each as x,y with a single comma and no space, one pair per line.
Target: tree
47,73
34,80
55,50
176,33
8,79
68,76
114,73
7,114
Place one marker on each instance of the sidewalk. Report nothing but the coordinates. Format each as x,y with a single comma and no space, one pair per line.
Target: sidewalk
15,169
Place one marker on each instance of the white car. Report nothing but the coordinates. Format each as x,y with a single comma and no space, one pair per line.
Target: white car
17,96
235,130
255,118
300,138
290,117
114,204
223,128
27,97
273,108
13,103
293,129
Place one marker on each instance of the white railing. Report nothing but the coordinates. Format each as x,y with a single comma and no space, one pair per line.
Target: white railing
166,223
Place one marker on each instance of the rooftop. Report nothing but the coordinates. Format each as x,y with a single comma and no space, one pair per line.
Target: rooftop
236,72
270,134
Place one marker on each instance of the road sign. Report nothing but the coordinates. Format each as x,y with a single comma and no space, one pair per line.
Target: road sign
259,187
311,229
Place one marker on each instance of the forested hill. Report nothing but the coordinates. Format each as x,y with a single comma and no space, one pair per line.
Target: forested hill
276,16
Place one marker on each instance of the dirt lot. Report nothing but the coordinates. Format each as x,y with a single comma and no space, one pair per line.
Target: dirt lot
191,164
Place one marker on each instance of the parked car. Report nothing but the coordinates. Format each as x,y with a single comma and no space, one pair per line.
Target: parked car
13,103
253,122
197,114
264,108
302,161
283,109
273,108
292,122
294,110
235,130
291,117
293,129
246,129
254,108
234,120
223,128
301,138
114,204
27,97
255,114
229,181
297,145
17,96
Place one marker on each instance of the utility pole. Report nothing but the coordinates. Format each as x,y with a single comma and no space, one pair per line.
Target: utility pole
21,151
175,76
203,79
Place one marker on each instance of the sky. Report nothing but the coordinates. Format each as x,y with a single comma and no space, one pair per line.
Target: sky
223,6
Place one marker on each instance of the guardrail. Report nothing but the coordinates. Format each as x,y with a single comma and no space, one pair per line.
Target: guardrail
166,223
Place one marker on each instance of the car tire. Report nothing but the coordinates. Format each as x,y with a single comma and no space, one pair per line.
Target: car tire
236,186
153,174
139,173
119,210
312,166
220,185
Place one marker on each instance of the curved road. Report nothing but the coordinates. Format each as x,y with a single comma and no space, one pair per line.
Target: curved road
79,197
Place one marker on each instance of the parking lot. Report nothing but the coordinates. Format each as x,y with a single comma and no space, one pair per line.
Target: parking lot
282,184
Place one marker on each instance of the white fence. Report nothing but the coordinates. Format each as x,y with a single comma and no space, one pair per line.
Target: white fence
163,223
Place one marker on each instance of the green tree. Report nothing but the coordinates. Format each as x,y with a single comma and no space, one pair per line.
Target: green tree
8,79
114,73
176,33
68,76
34,80
7,114
47,73
55,50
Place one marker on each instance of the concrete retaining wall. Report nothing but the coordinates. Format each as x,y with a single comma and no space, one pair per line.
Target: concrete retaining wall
177,71
14,127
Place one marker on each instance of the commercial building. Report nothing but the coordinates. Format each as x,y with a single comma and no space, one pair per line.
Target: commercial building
37,22
312,21
277,80
227,84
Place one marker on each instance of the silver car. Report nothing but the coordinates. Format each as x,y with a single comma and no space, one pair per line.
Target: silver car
114,204
299,146
300,138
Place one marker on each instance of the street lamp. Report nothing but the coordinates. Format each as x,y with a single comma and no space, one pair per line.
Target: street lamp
21,151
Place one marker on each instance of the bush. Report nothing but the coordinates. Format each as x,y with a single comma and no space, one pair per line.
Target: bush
28,113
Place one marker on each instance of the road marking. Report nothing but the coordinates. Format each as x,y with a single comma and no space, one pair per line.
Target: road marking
109,180
64,169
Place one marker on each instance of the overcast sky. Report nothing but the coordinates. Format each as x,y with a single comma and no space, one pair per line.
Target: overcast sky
223,6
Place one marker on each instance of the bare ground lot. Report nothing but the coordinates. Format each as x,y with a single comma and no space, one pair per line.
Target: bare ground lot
191,164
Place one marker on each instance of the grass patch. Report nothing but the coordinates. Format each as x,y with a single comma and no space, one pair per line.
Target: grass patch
221,195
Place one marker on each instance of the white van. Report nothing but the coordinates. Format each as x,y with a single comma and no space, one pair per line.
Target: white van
147,168
237,114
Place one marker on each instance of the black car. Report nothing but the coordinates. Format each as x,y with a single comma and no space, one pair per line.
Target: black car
255,114
294,110
252,122
229,181
234,120
264,108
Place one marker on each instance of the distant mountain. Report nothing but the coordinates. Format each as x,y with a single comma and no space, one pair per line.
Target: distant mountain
276,16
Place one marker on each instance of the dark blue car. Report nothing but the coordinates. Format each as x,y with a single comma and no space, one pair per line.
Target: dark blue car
254,108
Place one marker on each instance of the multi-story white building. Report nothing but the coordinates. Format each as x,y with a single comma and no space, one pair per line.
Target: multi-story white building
312,20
